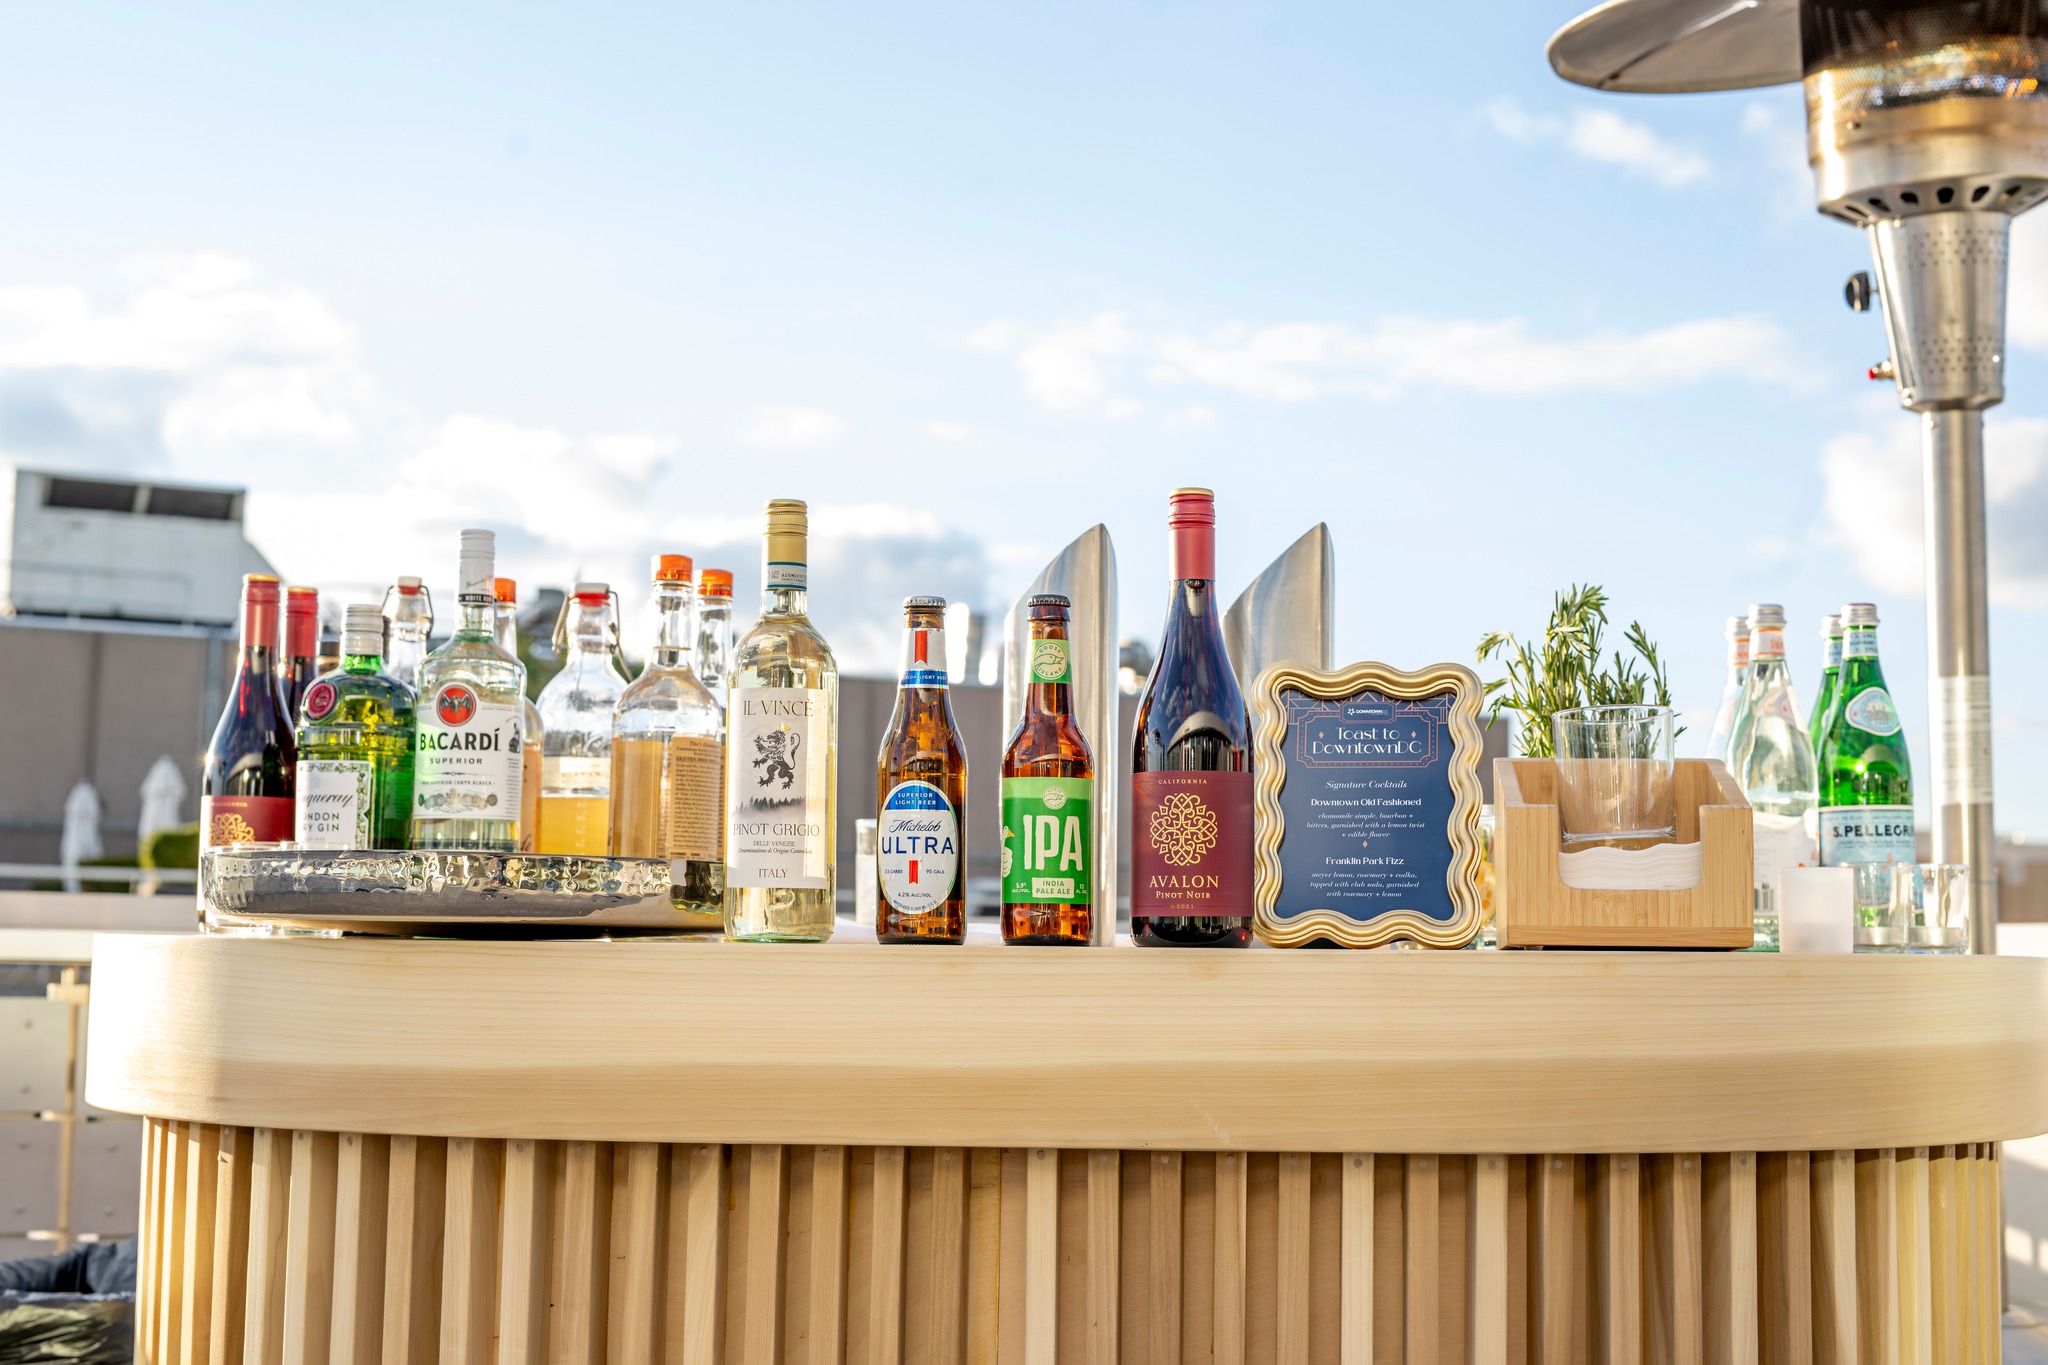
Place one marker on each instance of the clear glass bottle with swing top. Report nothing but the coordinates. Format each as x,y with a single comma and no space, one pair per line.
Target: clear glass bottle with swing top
576,723
409,607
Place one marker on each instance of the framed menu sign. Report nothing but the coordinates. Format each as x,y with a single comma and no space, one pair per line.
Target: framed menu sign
1367,805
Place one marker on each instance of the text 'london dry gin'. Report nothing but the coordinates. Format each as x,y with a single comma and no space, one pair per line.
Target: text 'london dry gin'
782,759
470,722
921,795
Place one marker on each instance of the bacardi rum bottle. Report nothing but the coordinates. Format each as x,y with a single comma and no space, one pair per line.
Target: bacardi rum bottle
409,607
470,722
576,720
249,777
505,611
1866,777
296,669
1191,784
668,760
782,755
1771,757
1048,797
714,631
1732,690
921,795
1830,675
356,737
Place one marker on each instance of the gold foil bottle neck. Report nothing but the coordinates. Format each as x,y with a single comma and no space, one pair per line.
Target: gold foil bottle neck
787,539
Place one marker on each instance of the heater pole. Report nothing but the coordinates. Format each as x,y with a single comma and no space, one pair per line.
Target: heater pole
1959,660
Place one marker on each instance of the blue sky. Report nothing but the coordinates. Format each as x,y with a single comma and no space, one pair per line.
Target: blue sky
607,277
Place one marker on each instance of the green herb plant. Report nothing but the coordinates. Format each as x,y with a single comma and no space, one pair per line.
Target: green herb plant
1563,669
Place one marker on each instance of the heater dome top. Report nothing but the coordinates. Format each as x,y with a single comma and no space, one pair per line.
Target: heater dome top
1662,47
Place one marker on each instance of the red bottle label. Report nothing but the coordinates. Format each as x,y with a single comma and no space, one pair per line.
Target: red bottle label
225,820
1191,843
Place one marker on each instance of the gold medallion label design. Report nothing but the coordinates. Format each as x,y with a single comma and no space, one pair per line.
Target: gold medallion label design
1182,829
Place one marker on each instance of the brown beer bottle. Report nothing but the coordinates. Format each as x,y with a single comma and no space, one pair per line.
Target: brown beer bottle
1048,797
921,795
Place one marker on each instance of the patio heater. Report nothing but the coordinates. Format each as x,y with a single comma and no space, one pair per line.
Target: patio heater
1927,127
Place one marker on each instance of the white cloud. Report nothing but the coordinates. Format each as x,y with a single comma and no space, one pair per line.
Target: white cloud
948,431
1604,136
1779,132
1064,366
1200,415
792,428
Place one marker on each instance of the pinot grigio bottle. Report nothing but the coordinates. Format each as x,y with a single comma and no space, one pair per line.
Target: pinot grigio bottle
1191,764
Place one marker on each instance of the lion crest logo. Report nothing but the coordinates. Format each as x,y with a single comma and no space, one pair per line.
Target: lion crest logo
775,758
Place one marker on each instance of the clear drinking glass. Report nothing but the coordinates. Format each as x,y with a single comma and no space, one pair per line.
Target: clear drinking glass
1614,775
1924,908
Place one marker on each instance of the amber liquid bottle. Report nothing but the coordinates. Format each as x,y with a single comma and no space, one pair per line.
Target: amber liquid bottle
1191,785
921,795
1048,797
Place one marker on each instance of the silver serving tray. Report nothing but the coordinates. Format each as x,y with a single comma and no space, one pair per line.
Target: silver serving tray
257,888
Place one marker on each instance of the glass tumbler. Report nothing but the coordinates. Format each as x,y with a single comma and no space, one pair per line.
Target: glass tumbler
1614,776
1917,908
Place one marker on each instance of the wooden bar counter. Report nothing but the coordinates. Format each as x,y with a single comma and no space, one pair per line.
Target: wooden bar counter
661,1151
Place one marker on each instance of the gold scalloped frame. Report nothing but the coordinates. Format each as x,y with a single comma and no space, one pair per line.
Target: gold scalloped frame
1269,742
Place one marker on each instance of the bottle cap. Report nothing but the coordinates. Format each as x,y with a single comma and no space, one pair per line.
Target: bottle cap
408,586
301,601
1191,507
672,568
479,557
504,590
259,589
1766,616
1191,534
922,603
1830,627
362,630
1859,614
591,594
714,583
786,552
1049,599
1738,627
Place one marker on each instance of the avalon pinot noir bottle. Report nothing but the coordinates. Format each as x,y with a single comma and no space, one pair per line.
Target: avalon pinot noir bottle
1191,784
251,765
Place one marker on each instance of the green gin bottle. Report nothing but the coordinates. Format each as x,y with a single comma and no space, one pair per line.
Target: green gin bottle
1831,673
355,747
1866,778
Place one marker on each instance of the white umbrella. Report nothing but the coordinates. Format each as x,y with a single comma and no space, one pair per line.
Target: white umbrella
81,837
163,802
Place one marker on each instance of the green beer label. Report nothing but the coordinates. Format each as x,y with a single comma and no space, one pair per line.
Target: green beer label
1047,835
1049,664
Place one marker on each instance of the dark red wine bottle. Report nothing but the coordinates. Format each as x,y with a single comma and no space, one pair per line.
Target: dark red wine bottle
251,764
301,663
1191,764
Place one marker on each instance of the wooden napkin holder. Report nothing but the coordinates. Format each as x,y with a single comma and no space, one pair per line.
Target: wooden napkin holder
1535,909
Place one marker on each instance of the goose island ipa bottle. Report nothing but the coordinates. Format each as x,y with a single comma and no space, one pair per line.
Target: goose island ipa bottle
470,724
668,760
505,611
250,774
1191,766
1048,797
921,795
782,755
356,737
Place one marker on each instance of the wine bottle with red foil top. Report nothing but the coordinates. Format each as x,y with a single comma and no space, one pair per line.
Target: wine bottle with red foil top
1191,765
301,661
251,765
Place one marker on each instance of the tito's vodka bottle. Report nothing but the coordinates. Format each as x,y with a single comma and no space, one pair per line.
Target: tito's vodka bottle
921,795
782,755
1866,779
1191,766
1772,760
471,725
1732,690
505,609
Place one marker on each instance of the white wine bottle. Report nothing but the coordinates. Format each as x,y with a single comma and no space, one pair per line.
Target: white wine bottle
782,755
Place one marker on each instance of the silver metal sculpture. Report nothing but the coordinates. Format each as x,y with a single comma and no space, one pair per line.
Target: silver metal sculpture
1085,573
1289,611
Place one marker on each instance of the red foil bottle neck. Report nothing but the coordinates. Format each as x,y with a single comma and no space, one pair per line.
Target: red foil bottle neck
1191,552
259,626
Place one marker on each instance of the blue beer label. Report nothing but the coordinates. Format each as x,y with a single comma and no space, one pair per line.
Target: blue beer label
917,848
922,648
1366,806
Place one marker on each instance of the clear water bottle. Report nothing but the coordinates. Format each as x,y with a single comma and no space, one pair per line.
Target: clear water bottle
1732,690
1772,758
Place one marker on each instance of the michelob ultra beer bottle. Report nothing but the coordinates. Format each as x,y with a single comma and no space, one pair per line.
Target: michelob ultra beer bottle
921,795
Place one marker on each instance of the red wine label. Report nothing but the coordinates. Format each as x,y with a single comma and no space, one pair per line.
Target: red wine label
227,820
1191,843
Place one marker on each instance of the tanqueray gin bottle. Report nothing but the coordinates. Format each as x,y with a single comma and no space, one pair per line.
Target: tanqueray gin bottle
471,714
782,759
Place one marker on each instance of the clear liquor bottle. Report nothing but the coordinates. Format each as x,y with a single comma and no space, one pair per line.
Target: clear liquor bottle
1771,757
1866,776
576,727
921,795
505,612
668,760
470,724
1830,675
409,607
1732,690
714,631
1048,797
782,755
356,736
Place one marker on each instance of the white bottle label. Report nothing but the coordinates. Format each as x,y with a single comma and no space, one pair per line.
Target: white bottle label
468,757
1866,834
917,847
581,775
779,806
1872,710
335,798
1962,740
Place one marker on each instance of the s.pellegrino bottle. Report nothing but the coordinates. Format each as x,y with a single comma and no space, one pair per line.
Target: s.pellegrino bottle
782,754
1048,797
470,724
356,741
1866,777
505,611
668,760
250,773
1732,690
921,794
1191,762
1830,675
301,661
1771,758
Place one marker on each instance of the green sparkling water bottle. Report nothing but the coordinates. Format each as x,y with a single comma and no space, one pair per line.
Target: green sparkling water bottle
1866,778
1831,647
